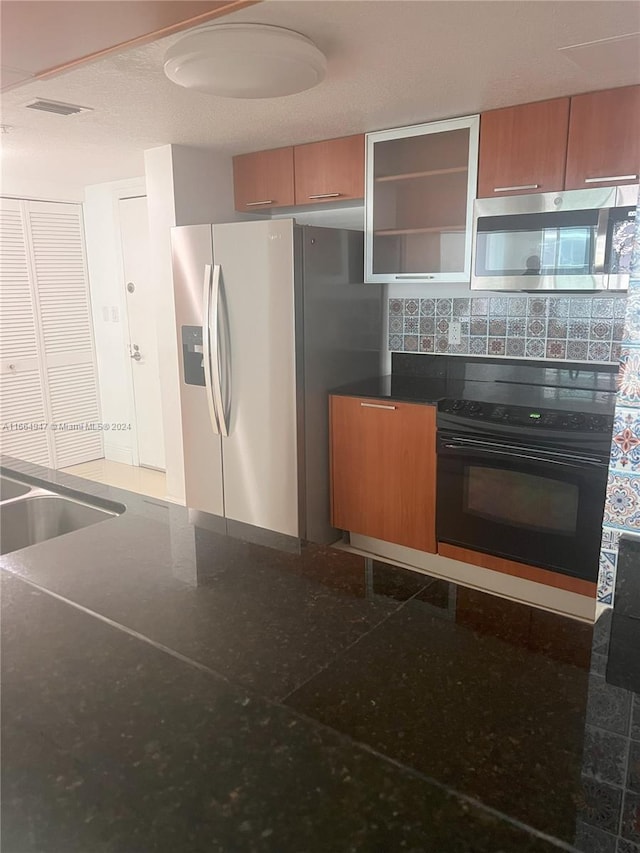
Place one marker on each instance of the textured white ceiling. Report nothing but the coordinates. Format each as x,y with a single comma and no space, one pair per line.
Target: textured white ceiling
390,64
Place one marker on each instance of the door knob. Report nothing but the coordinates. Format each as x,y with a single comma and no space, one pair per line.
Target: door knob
136,356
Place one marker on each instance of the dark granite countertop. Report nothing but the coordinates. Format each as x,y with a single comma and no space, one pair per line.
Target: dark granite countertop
166,688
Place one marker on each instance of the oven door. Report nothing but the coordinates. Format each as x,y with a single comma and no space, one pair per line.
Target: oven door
550,241
534,506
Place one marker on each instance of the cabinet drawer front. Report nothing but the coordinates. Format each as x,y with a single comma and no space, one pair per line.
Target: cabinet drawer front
604,139
383,464
329,171
523,149
263,180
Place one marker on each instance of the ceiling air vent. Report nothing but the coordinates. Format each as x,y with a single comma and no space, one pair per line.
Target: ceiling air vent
56,107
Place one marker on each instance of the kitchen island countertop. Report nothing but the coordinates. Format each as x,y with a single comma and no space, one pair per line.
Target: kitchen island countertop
167,688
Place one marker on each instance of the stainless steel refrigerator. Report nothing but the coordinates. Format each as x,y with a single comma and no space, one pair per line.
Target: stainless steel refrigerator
270,316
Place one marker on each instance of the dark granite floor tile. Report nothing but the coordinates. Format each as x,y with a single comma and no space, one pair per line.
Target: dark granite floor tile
591,840
492,719
627,597
625,846
631,817
635,718
114,746
600,805
605,756
623,665
609,706
633,776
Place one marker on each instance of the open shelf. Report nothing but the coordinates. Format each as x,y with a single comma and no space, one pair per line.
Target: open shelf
407,176
393,232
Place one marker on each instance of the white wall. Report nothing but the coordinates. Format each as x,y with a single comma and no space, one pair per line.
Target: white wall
185,186
104,258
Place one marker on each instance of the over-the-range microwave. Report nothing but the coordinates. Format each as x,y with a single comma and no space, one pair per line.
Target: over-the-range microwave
573,240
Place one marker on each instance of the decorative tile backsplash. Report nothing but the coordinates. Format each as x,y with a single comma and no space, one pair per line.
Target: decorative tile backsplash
567,328
622,506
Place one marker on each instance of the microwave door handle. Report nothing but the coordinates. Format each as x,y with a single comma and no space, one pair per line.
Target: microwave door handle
577,462
601,240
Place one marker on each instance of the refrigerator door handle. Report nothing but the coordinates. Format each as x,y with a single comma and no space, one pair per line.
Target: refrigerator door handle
214,327
206,346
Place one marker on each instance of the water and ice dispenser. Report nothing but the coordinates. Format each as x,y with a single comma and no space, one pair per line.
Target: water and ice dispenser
192,355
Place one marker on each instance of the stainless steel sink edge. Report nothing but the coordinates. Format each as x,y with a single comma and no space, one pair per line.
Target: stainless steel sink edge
113,507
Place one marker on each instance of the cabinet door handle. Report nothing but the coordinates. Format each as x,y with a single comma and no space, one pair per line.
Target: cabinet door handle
610,178
256,203
413,276
326,195
521,187
377,406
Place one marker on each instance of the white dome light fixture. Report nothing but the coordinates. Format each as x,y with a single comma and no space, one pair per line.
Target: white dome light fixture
245,61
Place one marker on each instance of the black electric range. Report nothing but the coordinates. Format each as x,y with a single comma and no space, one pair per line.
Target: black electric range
522,468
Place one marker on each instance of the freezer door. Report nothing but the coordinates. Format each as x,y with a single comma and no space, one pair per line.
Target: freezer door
257,362
193,282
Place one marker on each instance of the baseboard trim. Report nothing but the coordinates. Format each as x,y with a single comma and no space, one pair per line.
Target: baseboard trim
556,600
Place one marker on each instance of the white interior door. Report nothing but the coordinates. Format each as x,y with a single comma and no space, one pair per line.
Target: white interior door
143,341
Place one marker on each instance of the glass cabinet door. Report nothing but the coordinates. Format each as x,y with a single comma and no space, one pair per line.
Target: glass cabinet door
421,182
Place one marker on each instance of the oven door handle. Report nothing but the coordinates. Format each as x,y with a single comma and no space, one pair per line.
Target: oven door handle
533,456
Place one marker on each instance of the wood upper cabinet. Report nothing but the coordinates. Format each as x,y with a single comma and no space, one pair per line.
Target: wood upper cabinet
604,139
383,470
329,171
263,180
523,149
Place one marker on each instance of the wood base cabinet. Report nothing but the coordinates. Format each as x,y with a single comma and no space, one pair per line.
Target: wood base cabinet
383,470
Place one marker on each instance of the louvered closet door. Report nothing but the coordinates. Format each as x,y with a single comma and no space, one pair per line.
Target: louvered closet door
22,402
62,296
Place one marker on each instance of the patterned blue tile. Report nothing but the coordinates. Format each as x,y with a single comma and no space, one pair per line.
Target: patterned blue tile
537,306
427,343
629,378
606,575
428,307
559,307
515,347
556,348
577,350
444,307
580,308
396,306
599,351
478,346
610,538
479,326
427,325
498,327
497,346
479,307
625,448
632,319
461,307
410,343
557,328
442,326
498,306
411,306
516,327
442,343
601,330
619,306
578,330
534,348
602,307
395,342
411,325
395,325
536,328
622,505
517,307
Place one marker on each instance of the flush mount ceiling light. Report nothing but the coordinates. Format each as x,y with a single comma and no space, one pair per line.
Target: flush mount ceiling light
245,61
